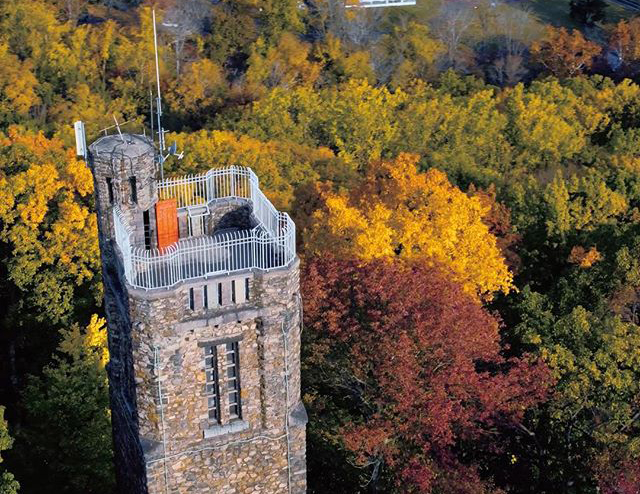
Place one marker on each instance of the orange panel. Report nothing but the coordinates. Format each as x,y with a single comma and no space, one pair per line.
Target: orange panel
167,222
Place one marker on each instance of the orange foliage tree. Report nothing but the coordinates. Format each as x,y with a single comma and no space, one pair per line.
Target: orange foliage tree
625,40
564,53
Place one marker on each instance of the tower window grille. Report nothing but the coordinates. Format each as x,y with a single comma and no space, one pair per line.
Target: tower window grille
233,291
192,299
232,369
205,294
246,289
219,293
212,386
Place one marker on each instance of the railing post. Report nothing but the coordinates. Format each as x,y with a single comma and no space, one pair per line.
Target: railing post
233,181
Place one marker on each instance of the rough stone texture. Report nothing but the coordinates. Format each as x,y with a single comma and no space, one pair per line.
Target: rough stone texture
168,333
111,158
231,214
226,214
164,439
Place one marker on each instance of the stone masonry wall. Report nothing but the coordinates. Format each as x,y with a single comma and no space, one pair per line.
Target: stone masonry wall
128,452
226,214
164,440
117,162
184,450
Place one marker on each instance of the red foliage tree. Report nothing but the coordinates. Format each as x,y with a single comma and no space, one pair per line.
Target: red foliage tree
420,364
618,472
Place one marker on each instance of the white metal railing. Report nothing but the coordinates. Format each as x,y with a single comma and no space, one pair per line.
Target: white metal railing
224,183
271,244
193,190
378,3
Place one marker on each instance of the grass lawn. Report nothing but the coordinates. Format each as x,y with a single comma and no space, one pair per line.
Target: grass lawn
556,12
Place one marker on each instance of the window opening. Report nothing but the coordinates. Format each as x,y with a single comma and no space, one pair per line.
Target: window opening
232,370
147,229
110,189
212,387
134,190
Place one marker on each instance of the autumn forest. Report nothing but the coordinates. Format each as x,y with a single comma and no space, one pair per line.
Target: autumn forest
465,180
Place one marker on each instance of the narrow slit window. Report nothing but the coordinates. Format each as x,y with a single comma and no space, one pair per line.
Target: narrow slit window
246,289
219,293
147,229
192,299
134,190
233,291
110,189
212,386
205,295
232,370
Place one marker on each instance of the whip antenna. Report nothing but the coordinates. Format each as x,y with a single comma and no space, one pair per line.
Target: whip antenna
159,102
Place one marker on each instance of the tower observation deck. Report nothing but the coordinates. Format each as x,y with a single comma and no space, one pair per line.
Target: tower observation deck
225,224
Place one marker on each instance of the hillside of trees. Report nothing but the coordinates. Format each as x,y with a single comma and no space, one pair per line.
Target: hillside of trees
467,197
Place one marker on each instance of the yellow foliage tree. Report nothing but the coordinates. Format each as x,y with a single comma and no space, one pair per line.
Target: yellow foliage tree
399,212
284,65
17,86
549,121
412,52
200,87
45,222
341,65
91,341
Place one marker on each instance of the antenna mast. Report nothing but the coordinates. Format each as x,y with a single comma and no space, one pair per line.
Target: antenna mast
159,103
151,112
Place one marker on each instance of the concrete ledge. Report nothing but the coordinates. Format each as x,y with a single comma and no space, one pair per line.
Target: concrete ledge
298,415
221,430
151,449
224,318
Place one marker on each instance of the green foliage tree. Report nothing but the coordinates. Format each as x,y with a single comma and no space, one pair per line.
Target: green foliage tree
66,442
8,483
594,411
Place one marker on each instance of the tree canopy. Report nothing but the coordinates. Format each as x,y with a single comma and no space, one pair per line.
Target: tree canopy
416,363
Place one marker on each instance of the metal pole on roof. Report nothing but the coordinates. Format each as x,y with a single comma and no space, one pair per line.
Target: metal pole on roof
151,110
159,103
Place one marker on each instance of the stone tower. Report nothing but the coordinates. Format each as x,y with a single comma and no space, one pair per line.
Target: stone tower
203,307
